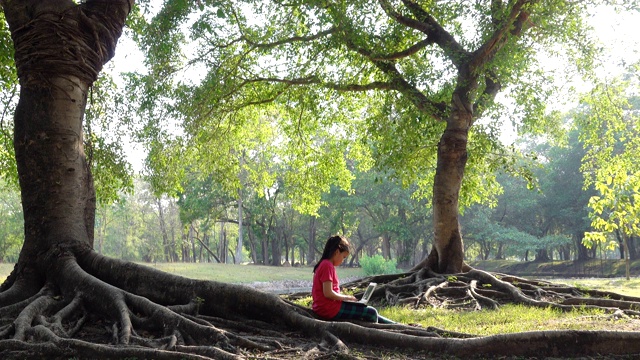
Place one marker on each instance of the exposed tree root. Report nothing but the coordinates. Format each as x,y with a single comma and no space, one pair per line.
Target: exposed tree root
95,307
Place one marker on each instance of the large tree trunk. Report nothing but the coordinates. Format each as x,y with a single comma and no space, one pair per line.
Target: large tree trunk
59,52
55,73
447,253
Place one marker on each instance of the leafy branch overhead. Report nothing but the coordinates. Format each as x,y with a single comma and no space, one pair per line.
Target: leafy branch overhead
379,81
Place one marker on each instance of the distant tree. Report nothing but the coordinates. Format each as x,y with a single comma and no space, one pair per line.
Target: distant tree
564,201
610,126
11,224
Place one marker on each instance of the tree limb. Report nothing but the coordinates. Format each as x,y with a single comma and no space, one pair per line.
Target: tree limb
430,26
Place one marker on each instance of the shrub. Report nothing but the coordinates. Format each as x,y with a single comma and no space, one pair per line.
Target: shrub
376,264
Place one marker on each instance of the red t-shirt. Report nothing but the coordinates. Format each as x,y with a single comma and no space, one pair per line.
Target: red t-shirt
323,306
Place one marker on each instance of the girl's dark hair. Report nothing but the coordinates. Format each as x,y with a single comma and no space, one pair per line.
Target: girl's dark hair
338,242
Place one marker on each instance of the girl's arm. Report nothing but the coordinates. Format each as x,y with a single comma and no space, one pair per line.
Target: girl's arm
327,290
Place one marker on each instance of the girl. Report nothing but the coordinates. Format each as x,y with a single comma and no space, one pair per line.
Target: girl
328,303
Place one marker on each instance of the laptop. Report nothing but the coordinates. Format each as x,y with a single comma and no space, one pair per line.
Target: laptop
367,293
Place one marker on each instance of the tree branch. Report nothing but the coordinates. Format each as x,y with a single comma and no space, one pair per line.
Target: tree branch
496,11
399,83
491,89
289,40
434,31
513,25
404,53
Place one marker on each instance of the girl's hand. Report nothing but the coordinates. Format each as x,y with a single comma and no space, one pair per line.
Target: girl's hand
349,298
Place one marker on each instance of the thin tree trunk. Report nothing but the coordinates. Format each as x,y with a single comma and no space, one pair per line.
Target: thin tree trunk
633,252
542,255
222,249
626,256
163,230
252,246
238,257
265,247
582,251
386,246
192,241
276,255
311,254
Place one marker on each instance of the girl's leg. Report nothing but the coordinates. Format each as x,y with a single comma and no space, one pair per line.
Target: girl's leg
356,311
384,320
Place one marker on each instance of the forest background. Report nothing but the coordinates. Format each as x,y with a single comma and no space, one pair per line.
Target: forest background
557,194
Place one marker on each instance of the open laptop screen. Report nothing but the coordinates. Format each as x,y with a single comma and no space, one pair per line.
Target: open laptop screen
368,293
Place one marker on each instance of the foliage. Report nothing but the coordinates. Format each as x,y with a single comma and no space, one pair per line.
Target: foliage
11,223
104,142
610,126
136,228
376,264
265,63
8,98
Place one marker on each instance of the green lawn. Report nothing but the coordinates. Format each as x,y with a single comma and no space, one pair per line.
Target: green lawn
622,286
508,318
231,273
246,273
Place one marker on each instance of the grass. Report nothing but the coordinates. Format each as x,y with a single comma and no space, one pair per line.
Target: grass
246,273
230,273
507,319
622,286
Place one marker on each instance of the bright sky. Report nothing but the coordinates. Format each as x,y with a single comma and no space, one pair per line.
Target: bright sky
618,33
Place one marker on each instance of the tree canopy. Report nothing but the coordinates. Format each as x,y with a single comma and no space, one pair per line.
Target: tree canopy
418,89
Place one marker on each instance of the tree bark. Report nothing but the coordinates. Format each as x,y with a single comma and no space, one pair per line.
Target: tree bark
447,255
542,255
633,252
163,230
311,254
57,190
264,245
386,246
276,254
240,243
581,250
